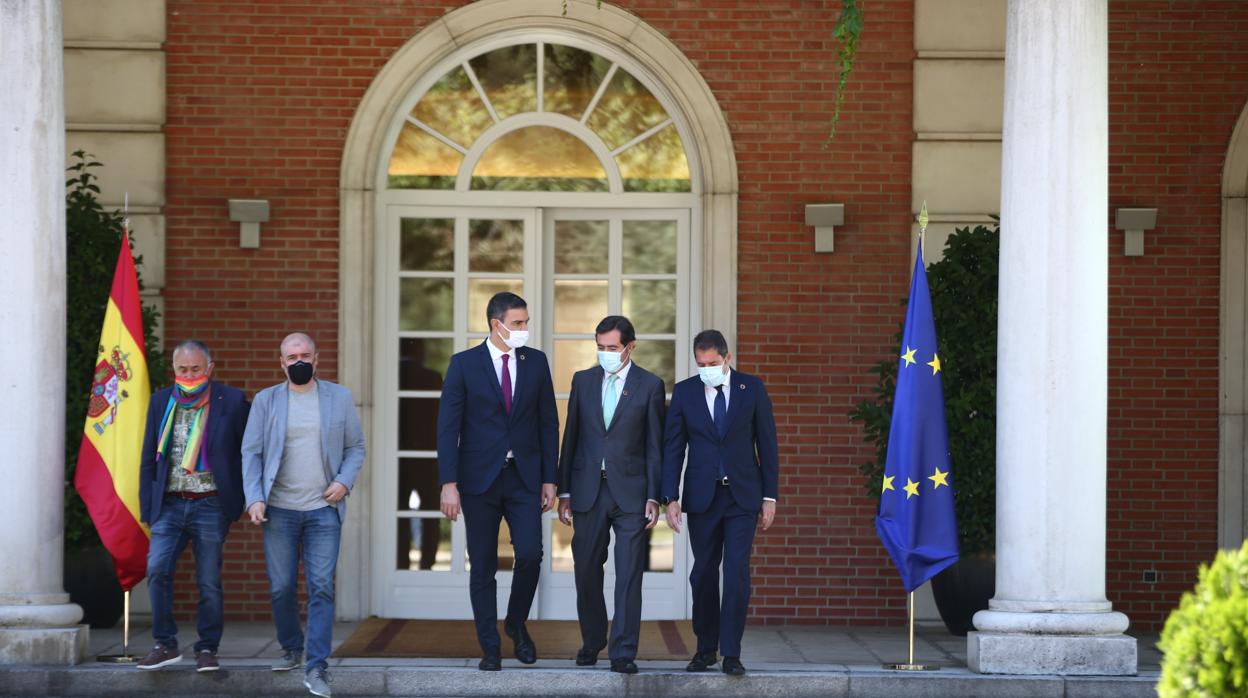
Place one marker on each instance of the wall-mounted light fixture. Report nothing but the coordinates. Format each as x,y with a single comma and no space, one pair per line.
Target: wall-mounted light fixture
1133,222
825,218
249,214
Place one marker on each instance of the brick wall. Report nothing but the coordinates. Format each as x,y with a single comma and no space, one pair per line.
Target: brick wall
1178,83
261,96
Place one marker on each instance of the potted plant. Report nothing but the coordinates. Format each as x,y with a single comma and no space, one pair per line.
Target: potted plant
93,239
964,304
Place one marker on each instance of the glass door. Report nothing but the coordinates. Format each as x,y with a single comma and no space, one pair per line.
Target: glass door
440,267
606,262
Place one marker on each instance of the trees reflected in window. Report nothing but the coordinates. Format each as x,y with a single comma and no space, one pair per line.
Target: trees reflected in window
625,118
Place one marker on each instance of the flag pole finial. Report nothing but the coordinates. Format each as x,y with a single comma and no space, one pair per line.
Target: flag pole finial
923,222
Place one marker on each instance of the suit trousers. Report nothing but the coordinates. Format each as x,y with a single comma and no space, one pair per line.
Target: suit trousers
724,532
507,498
589,552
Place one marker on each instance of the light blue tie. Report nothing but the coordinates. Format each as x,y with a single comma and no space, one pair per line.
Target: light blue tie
609,401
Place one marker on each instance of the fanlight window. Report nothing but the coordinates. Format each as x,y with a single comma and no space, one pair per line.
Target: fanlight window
562,97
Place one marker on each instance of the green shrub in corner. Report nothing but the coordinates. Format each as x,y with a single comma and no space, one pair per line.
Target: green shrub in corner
1205,640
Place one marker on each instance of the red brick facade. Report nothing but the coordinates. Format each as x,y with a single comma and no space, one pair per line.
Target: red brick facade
260,97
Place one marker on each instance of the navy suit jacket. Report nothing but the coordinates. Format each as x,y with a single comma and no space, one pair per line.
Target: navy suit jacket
475,432
227,420
748,450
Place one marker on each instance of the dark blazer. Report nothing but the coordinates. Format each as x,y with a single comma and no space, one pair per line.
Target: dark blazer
227,420
475,431
749,451
631,444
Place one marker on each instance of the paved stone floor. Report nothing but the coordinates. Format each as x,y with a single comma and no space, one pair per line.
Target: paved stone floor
764,647
789,662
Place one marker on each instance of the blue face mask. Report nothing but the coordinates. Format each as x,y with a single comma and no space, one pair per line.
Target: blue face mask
712,376
611,361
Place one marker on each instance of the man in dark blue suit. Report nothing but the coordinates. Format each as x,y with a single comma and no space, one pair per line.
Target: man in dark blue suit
723,418
190,490
498,434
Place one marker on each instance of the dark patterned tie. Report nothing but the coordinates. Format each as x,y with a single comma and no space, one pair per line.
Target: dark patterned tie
506,384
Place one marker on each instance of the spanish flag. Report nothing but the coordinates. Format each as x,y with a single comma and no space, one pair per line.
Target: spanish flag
107,477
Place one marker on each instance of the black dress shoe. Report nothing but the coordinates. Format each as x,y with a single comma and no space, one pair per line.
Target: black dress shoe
587,657
526,651
490,662
702,661
623,666
733,666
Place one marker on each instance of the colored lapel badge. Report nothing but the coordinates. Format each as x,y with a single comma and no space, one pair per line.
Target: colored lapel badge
742,386
624,393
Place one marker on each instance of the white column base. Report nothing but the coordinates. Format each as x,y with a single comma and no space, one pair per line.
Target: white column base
58,646
1065,644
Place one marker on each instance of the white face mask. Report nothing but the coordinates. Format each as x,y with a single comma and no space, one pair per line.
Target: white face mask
713,375
611,361
515,338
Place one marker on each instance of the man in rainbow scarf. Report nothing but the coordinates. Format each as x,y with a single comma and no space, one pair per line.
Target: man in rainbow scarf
190,491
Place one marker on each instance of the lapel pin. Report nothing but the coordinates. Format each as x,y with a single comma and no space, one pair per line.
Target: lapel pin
624,394
521,356
742,386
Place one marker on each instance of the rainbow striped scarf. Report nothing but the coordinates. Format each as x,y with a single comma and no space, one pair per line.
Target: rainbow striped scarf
196,399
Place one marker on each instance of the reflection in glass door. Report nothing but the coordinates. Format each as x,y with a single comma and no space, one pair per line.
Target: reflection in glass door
440,266
605,262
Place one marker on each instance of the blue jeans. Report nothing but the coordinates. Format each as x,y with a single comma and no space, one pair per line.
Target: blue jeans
201,523
316,534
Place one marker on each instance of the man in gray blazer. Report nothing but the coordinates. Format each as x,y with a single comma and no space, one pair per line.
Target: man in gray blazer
610,472
302,451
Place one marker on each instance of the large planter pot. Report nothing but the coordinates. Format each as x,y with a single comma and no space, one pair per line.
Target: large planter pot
91,581
963,589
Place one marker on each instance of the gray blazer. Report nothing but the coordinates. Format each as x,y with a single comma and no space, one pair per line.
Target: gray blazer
342,440
632,444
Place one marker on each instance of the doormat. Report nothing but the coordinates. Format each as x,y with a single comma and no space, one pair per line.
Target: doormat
454,639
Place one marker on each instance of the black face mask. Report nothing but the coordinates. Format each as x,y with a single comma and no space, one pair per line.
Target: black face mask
300,372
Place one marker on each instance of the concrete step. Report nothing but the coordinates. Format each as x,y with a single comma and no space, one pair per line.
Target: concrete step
389,678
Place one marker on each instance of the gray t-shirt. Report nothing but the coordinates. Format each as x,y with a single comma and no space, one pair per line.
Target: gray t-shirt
301,480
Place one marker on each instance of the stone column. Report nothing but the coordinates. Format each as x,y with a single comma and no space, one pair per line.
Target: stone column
1050,614
38,624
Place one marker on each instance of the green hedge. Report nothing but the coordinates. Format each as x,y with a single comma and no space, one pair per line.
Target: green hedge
1205,640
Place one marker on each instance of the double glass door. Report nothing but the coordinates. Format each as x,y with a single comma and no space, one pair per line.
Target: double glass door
437,269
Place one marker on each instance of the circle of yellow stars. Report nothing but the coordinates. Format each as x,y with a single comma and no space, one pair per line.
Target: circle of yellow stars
939,477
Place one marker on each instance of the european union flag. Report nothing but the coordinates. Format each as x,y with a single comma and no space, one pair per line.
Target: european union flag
916,522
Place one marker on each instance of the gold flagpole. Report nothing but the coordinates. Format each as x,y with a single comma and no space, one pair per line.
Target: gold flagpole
125,657
910,665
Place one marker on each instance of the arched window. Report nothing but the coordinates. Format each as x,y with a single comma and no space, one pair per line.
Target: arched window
539,117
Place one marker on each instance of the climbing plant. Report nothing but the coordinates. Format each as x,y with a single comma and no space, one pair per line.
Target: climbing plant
846,32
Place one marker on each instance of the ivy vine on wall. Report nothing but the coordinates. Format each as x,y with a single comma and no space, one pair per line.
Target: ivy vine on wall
846,33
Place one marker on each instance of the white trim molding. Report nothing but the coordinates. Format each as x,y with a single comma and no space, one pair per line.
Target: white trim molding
611,31
1233,342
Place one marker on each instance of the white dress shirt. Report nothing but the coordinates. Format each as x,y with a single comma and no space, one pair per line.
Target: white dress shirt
710,404
512,369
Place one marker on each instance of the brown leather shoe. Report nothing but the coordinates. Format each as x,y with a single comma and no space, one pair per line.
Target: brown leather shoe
206,660
160,656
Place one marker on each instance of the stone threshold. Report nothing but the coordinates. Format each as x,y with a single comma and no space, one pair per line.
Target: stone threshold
385,678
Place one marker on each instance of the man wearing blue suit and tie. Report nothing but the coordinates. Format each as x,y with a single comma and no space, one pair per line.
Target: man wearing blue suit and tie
498,434
723,418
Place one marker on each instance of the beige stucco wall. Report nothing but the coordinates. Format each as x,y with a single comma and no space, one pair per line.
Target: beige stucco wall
115,110
958,93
